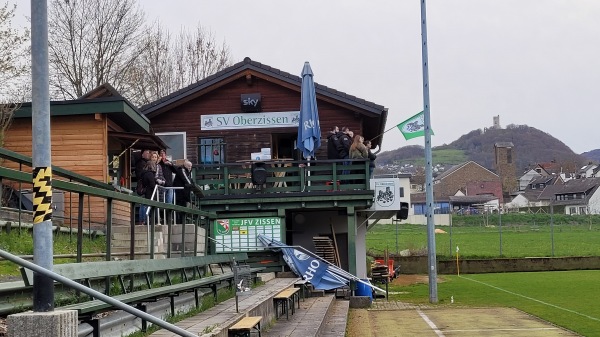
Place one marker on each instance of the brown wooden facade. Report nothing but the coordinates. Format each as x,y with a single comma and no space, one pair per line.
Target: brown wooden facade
86,136
220,94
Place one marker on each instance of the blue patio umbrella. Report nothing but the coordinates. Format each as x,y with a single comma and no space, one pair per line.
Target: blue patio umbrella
309,130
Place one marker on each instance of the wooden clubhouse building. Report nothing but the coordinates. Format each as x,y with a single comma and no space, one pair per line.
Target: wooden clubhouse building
223,123
238,127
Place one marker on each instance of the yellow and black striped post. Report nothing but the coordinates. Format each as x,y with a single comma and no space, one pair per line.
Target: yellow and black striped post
42,194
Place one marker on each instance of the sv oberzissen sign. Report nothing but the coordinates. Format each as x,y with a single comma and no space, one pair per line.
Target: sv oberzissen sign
286,119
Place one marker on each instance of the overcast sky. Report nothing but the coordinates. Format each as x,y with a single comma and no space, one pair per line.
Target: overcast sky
531,62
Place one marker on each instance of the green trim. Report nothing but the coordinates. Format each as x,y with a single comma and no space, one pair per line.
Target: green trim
21,159
89,107
351,218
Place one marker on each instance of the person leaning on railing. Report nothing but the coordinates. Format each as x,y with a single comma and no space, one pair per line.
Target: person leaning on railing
148,180
168,170
183,178
372,156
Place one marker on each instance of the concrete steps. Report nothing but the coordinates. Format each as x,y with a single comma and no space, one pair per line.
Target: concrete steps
121,235
317,316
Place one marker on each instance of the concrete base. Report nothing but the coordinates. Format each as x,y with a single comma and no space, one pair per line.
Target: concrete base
61,323
360,302
265,277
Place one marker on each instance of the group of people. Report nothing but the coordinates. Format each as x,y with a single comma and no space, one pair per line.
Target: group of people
346,145
154,168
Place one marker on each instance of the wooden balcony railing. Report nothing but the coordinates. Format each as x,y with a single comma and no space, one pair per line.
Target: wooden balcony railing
283,176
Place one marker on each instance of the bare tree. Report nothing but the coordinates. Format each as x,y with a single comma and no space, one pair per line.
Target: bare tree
198,55
92,42
13,67
167,64
152,76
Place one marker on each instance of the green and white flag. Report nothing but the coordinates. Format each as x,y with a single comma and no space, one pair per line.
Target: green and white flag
413,127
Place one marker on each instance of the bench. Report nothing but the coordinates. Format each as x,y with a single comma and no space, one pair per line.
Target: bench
244,327
195,272
303,285
286,300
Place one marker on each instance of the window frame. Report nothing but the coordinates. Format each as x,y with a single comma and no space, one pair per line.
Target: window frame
174,133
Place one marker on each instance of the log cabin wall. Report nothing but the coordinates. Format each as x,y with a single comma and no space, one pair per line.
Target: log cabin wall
241,142
79,144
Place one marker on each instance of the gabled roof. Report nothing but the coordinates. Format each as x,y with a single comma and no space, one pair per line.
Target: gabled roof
592,167
551,167
249,67
573,186
458,167
547,180
530,195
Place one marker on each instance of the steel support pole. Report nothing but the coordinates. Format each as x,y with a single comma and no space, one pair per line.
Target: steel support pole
431,261
43,287
351,222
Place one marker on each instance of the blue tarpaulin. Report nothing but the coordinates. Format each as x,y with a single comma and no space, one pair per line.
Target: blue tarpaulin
320,273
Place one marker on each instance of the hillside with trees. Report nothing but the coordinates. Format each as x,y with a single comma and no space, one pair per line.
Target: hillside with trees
531,146
593,155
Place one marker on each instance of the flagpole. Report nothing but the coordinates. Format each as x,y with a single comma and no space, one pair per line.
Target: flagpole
431,253
381,134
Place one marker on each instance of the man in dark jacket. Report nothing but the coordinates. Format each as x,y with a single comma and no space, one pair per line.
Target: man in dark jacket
333,143
345,140
140,170
183,178
344,146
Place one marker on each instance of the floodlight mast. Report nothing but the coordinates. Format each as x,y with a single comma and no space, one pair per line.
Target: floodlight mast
431,260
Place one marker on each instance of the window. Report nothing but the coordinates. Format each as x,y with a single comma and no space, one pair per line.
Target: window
509,156
176,143
572,210
211,151
582,210
401,192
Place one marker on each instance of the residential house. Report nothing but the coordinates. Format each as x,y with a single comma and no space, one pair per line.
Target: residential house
529,197
588,171
577,196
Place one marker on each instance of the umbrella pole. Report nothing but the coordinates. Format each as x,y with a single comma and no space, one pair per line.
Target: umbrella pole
308,170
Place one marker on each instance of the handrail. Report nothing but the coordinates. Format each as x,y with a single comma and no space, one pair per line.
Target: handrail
96,294
98,192
22,159
284,176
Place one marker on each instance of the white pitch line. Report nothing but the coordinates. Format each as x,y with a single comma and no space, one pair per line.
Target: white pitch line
535,300
430,323
484,330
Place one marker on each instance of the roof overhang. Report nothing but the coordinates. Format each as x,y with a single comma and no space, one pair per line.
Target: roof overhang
118,109
138,140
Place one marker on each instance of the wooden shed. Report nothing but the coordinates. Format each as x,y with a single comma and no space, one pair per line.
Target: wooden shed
95,136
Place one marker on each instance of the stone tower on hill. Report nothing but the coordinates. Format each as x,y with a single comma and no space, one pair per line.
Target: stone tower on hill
504,159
